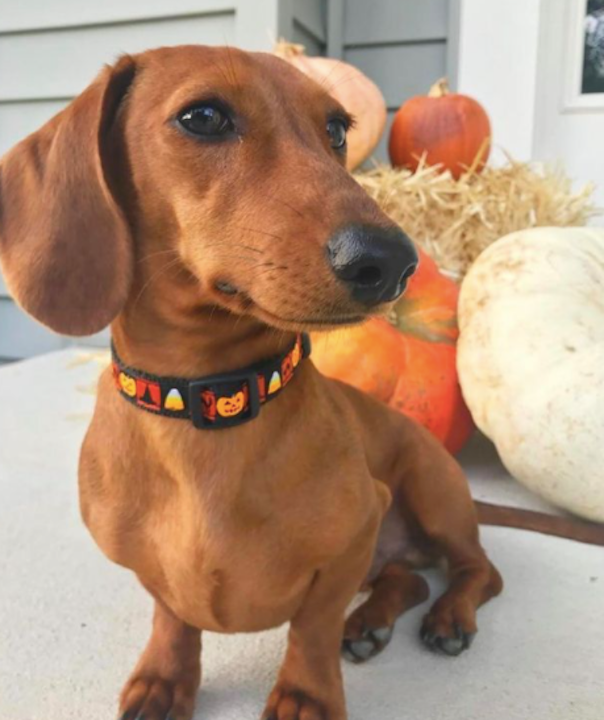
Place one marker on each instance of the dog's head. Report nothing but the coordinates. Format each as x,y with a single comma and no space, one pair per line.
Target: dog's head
223,166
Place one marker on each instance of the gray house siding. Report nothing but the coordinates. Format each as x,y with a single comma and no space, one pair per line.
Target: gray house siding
402,45
310,25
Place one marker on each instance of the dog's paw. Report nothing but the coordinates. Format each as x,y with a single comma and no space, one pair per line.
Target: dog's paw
152,698
450,638
450,626
288,704
366,643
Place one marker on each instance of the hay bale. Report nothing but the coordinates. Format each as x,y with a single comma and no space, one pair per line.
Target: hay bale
455,220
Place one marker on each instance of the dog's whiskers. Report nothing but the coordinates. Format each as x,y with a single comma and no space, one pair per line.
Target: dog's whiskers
261,232
273,196
252,249
219,66
171,251
235,80
236,246
287,205
167,266
234,256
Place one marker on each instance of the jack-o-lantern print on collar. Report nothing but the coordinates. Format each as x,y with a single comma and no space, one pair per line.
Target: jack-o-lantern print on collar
231,405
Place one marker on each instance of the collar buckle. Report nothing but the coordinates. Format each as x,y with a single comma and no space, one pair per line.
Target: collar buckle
214,411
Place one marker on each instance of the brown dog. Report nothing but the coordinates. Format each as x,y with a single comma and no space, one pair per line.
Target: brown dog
196,198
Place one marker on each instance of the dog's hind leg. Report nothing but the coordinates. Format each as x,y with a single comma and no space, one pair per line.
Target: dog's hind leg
450,625
435,497
436,520
369,628
165,681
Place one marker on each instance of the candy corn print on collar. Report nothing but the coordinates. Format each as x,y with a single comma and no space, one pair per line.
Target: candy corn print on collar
216,401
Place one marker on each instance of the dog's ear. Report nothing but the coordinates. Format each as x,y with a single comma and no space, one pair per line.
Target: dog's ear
65,245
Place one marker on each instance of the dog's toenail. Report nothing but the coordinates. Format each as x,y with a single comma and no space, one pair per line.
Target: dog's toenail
451,646
458,630
358,650
363,648
226,288
382,635
429,639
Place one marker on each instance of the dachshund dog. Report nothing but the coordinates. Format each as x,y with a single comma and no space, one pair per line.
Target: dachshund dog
196,199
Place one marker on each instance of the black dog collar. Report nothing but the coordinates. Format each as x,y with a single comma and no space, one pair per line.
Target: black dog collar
215,401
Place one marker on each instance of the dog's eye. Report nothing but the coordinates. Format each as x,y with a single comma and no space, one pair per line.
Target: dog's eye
336,129
205,120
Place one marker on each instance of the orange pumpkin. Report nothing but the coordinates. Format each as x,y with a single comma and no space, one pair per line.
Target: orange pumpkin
449,129
355,91
408,362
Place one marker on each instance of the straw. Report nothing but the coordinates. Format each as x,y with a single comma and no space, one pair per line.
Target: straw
455,220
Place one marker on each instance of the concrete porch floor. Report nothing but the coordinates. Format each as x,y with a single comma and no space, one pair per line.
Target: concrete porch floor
72,624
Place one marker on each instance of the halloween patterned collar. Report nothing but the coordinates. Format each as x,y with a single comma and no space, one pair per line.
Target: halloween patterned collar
216,401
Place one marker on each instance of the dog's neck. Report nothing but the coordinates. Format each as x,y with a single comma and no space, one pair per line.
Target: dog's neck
207,341
171,326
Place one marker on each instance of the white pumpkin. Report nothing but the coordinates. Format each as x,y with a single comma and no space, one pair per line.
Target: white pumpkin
531,360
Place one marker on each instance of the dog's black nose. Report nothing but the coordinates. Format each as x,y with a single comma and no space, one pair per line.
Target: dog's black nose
374,262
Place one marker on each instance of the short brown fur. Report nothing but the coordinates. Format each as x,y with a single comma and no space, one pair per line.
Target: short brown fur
111,213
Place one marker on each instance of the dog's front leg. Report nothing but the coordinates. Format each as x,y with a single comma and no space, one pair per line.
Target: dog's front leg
309,686
165,681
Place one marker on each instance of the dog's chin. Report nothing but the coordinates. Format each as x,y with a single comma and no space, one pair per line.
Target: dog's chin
319,322
297,320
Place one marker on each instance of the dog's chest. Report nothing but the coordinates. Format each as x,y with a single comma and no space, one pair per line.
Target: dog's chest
239,553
